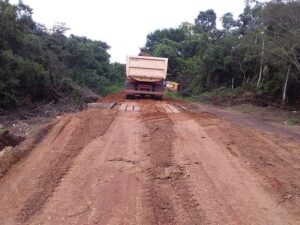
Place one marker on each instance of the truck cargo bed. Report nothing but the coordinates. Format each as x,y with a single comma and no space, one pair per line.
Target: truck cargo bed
144,68
145,76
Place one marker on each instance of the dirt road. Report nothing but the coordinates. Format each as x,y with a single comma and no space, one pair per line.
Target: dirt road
150,162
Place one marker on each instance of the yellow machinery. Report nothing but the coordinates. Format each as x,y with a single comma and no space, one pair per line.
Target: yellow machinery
172,86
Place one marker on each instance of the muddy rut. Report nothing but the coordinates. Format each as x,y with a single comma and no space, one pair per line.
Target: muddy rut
151,162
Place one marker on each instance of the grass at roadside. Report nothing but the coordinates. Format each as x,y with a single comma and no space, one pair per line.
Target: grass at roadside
292,121
247,108
2,130
176,95
113,88
271,114
224,94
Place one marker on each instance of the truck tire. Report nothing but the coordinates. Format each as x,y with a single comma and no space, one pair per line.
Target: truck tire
158,98
159,87
129,96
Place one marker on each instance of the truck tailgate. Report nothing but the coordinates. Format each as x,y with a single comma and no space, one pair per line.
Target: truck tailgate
143,68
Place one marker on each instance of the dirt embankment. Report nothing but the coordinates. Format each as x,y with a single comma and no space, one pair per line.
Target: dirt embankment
28,119
7,139
52,152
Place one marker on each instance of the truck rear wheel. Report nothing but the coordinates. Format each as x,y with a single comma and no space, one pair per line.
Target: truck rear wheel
159,98
159,87
129,96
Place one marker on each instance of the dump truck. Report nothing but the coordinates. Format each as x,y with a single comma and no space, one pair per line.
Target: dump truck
145,76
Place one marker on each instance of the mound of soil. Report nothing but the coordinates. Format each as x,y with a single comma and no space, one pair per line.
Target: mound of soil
8,139
116,97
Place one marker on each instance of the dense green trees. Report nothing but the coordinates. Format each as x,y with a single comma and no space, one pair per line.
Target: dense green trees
258,52
38,64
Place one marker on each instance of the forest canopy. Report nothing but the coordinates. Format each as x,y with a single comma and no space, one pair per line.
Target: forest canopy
259,52
38,64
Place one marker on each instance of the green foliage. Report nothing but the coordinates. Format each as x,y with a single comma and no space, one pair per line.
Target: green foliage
36,64
228,21
113,88
2,130
257,52
292,121
206,21
225,93
176,95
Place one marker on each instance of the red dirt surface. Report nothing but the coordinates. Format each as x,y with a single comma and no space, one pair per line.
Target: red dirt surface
152,166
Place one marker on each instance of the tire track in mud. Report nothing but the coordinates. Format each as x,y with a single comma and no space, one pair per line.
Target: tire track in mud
84,132
168,196
278,167
274,161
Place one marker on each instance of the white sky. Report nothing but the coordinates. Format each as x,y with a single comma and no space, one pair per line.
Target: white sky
124,24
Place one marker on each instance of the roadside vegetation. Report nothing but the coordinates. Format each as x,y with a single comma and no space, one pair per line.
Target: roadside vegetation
178,96
2,130
38,64
254,58
292,121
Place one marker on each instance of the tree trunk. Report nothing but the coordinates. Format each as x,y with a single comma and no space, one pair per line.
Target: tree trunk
261,62
241,68
232,83
285,85
208,80
286,82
